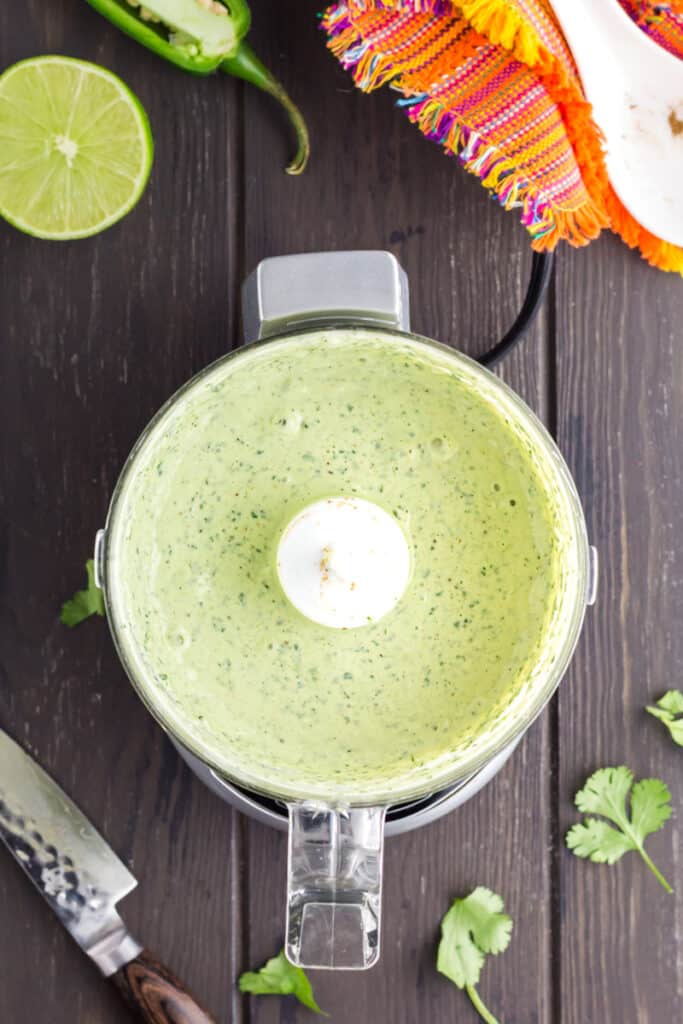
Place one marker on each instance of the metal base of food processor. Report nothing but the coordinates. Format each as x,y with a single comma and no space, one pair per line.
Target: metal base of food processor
400,818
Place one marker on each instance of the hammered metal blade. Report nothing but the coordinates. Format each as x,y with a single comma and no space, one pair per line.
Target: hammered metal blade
72,866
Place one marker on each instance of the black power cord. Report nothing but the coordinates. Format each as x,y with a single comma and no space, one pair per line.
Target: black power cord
541,270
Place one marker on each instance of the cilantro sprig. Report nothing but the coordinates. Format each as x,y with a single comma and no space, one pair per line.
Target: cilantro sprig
279,977
473,927
84,603
605,793
669,709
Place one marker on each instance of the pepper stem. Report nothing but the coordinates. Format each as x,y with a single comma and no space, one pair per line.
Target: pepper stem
245,64
479,1006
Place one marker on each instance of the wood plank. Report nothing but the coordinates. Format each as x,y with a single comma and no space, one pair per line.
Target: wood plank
96,335
374,183
620,423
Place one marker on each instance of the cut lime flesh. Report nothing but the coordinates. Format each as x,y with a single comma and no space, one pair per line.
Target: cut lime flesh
75,147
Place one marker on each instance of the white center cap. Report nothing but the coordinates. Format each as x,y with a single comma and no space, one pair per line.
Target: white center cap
343,562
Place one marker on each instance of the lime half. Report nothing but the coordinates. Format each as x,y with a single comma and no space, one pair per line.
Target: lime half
75,147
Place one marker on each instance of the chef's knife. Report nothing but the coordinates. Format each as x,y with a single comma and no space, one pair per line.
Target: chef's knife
82,879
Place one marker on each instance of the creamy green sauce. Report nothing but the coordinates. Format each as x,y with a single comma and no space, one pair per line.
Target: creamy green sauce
219,652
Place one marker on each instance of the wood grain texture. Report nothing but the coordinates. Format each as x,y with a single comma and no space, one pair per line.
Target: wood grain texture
155,995
620,423
97,334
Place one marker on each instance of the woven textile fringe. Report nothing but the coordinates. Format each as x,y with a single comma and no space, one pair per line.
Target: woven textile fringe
501,24
510,186
546,224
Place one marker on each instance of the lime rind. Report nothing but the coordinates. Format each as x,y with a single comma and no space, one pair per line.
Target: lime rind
106,175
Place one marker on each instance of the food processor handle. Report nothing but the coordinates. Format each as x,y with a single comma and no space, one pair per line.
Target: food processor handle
334,891
316,289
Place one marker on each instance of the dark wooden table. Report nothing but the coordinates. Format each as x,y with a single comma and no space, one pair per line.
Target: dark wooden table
96,334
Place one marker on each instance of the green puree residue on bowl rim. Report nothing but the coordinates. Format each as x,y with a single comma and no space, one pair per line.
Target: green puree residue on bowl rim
224,659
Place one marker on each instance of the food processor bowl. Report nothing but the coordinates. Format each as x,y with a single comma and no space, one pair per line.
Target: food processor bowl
400,818
336,835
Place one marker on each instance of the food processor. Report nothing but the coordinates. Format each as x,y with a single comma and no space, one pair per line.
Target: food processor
335,845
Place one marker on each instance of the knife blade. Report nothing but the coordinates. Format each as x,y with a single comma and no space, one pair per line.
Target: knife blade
82,880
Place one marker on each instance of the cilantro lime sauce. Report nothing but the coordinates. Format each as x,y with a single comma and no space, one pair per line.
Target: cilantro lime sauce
216,648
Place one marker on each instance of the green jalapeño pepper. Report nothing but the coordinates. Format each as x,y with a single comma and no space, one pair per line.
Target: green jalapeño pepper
203,36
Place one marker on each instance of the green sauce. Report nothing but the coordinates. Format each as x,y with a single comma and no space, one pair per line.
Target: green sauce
218,651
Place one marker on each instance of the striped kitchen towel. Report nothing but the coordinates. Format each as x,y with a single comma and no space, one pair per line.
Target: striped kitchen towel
494,82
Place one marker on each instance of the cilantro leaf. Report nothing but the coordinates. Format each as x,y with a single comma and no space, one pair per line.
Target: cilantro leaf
84,603
279,977
605,793
473,926
650,806
598,841
669,709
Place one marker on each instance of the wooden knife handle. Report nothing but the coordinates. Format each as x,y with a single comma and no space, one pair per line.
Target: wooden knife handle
155,995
